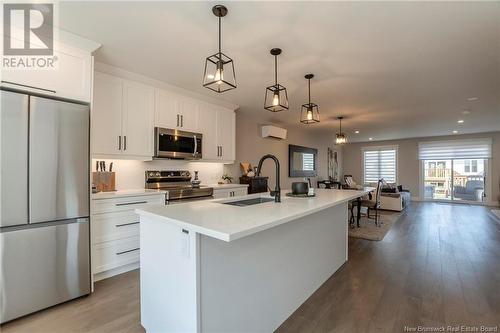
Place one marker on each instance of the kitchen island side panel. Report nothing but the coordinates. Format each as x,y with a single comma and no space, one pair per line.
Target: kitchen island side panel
169,277
255,283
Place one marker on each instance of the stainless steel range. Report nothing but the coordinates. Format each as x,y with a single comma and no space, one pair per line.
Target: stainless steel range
178,186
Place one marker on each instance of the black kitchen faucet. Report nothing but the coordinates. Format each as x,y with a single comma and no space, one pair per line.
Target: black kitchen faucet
277,190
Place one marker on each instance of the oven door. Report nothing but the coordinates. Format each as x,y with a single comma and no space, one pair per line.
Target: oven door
170,143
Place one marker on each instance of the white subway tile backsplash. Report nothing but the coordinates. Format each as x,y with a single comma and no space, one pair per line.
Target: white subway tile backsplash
130,174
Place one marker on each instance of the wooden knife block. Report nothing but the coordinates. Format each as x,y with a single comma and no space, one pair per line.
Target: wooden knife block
104,181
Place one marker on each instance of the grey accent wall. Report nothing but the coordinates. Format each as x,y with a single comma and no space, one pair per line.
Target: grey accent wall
250,147
409,165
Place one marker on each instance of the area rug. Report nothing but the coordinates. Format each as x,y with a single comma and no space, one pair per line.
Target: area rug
496,212
368,230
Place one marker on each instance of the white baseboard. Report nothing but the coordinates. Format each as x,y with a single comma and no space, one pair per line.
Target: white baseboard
486,203
116,271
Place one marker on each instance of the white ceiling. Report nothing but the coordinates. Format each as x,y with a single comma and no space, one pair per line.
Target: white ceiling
393,69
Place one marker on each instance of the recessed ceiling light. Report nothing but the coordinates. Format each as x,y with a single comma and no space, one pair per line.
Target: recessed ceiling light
466,112
356,131
472,99
370,139
460,121
455,132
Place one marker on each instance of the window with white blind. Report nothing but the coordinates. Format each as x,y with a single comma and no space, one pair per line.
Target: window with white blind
378,163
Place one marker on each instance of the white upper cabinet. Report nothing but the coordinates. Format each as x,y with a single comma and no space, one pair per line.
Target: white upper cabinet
189,113
226,134
218,129
70,77
208,120
166,109
137,119
125,112
176,112
106,130
122,118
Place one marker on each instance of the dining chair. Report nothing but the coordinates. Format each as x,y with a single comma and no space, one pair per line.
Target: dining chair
371,205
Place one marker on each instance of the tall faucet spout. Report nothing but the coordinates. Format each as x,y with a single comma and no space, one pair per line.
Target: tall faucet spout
277,189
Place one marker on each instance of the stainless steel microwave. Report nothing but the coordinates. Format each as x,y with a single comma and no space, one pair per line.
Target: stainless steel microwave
172,143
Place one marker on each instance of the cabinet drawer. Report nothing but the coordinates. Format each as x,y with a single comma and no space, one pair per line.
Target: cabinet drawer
113,226
113,254
230,192
240,191
124,204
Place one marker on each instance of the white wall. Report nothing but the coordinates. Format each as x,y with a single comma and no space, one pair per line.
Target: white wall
250,147
131,174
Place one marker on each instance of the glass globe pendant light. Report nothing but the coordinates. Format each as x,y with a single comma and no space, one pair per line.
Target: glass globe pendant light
340,137
219,68
309,112
276,96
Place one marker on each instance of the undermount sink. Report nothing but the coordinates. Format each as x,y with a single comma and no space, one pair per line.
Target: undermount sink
248,202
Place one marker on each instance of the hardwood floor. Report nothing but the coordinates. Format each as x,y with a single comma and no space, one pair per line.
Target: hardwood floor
113,307
439,265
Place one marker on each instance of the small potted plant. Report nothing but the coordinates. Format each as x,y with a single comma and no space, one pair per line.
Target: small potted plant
226,179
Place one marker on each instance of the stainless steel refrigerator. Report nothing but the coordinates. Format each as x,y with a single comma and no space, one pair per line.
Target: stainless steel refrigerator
44,203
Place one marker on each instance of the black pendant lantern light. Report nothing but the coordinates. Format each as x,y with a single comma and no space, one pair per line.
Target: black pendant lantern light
276,96
219,68
340,138
309,112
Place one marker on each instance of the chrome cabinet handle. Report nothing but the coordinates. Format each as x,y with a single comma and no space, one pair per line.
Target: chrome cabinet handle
27,86
127,251
119,142
182,120
125,142
130,203
126,224
177,120
221,154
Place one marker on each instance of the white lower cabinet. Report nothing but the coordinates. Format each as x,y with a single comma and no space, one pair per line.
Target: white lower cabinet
229,192
115,234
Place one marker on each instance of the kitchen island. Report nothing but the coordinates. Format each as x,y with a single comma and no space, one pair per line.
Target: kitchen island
210,266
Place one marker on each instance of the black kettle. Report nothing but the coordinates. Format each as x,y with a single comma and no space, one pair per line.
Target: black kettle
299,188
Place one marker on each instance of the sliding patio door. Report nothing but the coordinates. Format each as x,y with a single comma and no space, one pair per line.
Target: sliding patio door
455,170
469,179
455,179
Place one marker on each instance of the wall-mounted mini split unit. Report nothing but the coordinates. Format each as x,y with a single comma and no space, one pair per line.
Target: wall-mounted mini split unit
269,131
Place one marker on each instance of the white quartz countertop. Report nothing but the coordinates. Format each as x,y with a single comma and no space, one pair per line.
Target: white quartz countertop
228,223
125,193
226,186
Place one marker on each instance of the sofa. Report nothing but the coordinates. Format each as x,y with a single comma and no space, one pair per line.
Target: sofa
394,198
394,201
